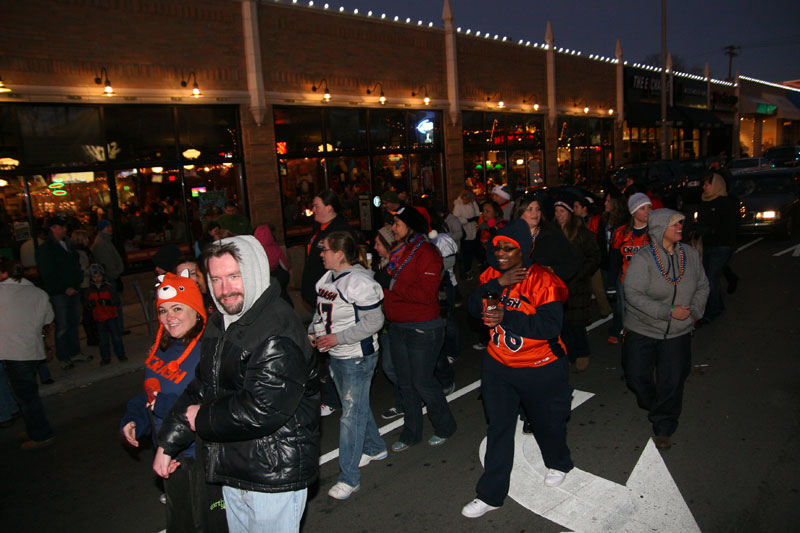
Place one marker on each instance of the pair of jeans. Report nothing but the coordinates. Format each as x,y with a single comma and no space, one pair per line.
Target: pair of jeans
8,405
44,372
87,320
576,340
248,510
22,377
715,259
415,349
358,432
109,333
388,369
545,395
661,396
452,337
67,310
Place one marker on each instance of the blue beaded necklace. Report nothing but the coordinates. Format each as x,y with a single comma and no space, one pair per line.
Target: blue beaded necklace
660,265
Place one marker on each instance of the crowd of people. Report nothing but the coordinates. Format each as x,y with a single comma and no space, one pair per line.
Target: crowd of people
235,384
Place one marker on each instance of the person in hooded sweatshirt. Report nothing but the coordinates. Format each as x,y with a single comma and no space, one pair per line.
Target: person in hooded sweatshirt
254,402
525,364
665,293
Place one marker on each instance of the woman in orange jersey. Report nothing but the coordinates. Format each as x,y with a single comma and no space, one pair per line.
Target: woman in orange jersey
525,364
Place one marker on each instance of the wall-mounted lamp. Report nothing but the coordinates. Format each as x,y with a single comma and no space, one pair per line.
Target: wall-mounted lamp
532,99
500,103
3,88
102,79
426,100
585,107
195,89
323,84
382,98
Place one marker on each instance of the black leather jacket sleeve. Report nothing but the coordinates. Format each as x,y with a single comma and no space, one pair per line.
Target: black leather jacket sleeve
175,434
272,387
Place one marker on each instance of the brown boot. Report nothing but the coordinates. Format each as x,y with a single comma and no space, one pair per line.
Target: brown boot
34,444
663,443
581,364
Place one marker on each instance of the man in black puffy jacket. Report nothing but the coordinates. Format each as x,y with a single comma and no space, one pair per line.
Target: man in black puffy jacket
254,402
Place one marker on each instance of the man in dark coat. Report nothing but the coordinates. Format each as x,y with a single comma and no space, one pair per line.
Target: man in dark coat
254,402
60,270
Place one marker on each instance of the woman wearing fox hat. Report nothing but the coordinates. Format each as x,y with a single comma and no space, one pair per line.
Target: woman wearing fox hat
169,368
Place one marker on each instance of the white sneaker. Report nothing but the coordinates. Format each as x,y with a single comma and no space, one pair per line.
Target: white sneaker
451,359
163,498
342,491
477,508
554,478
324,410
479,346
367,459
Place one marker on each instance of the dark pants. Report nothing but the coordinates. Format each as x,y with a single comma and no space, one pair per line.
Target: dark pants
415,348
656,370
109,333
617,321
67,310
576,340
468,251
545,395
330,396
388,369
192,504
715,259
87,320
452,340
22,377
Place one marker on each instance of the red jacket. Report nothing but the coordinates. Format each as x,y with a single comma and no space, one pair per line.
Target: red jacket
414,296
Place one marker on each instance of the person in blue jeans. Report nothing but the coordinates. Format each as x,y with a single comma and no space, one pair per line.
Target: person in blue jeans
349,307
411,302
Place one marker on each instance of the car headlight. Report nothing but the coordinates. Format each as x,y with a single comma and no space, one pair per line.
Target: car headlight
768,215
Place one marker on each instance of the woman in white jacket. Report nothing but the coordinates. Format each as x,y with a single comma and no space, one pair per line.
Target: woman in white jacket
467,211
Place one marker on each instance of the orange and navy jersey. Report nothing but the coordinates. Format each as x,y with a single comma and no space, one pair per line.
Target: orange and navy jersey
594,223
511,342
628,244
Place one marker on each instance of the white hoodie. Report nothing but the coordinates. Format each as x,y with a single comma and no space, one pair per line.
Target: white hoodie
25,309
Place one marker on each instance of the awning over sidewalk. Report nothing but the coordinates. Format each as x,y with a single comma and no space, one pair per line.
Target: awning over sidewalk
786,109
701,118
749,105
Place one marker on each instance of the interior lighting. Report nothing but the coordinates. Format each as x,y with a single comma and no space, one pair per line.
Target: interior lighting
102,79
3,183
3,88
191,153
157,170
610,111
586,109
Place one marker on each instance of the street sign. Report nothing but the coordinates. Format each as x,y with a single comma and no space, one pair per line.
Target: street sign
649,501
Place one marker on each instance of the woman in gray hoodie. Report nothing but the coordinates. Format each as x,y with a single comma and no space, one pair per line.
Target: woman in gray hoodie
665,293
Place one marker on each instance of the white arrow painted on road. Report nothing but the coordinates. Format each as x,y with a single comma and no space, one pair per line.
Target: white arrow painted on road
650,501
794,249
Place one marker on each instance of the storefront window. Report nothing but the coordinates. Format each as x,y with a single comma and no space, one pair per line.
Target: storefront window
346,130
298,130
211,130
472,124
349,177
424,130
426,179
55,135
387,129
300,179
475,175
83,195
140,133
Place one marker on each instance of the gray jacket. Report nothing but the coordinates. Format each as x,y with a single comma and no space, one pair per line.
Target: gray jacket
649,297
107,255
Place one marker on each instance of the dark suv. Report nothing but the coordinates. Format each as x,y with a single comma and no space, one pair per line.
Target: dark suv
784,156
665,178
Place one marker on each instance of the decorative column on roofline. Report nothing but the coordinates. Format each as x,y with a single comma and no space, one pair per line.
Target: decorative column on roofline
736,149
671,73
252,54
620,84
551,74
707,74
451,61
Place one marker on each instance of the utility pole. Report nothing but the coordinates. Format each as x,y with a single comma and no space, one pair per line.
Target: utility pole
731,51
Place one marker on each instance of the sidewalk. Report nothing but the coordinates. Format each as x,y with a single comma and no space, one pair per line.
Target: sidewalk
137,347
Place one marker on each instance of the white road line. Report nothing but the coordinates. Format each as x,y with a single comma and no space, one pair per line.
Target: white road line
795,249
748,245
333,454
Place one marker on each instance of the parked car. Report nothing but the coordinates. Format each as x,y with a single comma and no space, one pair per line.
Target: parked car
784,156
748,164
689,193
664,178
769,201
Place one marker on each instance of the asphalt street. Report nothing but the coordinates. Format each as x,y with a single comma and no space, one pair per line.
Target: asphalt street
733,465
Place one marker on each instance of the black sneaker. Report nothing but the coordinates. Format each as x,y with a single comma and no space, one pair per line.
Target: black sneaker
392,412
